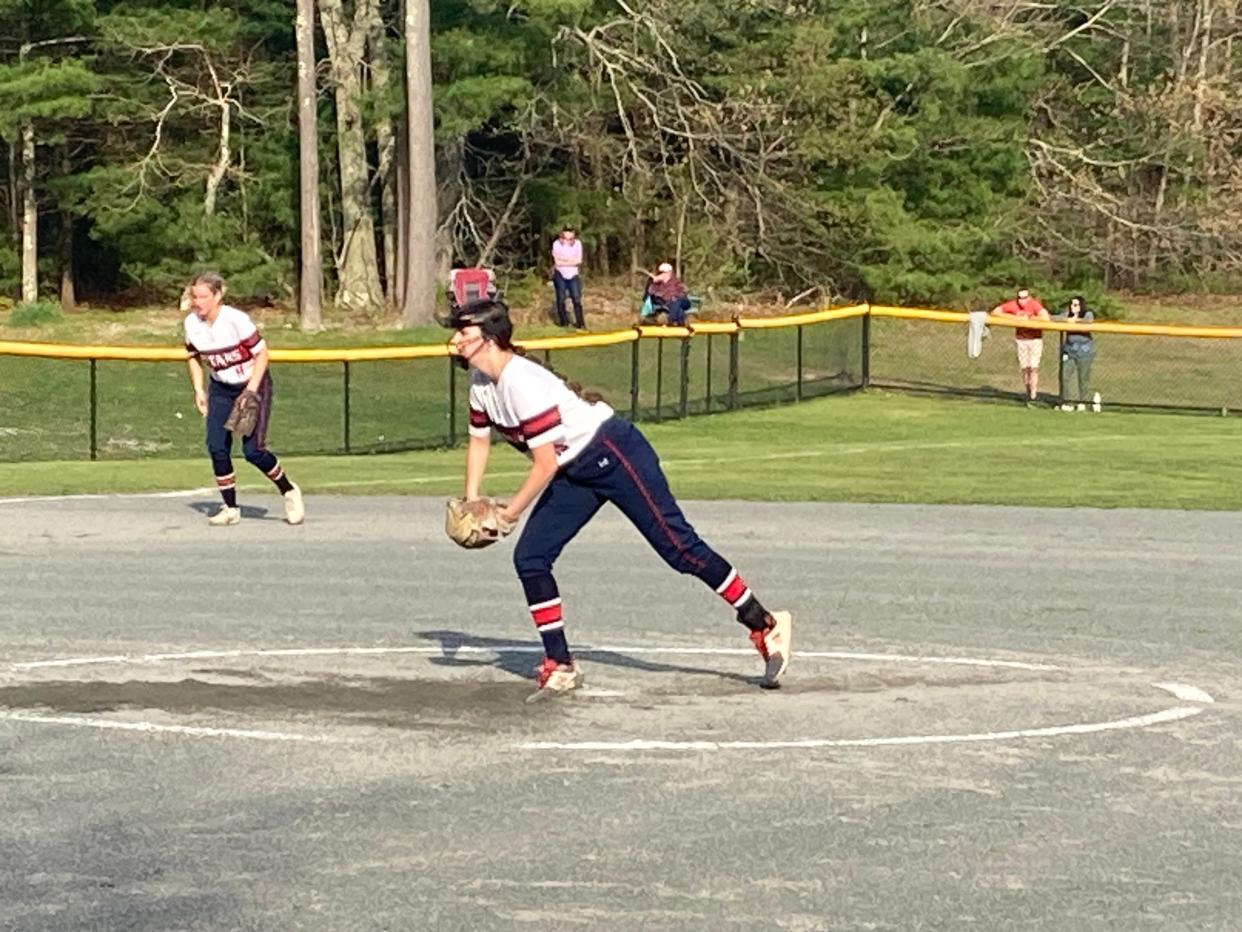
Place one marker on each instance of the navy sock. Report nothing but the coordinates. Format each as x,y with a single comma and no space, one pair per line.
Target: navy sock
555,645
733,589
753,615
277,475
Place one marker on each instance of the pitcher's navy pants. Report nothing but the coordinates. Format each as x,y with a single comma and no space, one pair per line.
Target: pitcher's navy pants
618,466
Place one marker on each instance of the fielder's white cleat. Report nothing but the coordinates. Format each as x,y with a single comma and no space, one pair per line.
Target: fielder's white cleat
775,646
225,517
295,508
555,679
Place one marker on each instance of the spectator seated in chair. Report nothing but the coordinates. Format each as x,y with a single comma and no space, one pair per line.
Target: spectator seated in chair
469,285
666,293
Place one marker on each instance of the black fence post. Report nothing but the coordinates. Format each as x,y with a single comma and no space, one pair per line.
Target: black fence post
733,354
345,424
866,349
452,402
94,414
634,381
798,387
708,376
659,378
683,407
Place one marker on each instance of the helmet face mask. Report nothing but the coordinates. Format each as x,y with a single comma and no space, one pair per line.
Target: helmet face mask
490,316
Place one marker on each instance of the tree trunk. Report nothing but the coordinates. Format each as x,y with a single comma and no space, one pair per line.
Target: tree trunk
1155,250
402,257
386,143
224,155
358,284
30,219
310,269
68,296
420,187
1201,71
15,195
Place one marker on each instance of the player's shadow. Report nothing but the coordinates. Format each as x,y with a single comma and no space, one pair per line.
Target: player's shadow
247,511
517,658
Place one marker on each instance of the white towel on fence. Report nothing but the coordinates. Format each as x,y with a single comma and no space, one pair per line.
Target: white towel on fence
976,330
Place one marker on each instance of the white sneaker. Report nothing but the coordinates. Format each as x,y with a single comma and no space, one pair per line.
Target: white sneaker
555,679
1081,407
1067,407
225,517
295,509
775,646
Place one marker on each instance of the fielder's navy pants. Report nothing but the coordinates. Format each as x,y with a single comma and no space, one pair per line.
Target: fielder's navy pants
220,398
618,466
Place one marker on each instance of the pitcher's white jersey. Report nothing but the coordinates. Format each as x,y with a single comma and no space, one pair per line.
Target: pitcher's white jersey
530,406
228,345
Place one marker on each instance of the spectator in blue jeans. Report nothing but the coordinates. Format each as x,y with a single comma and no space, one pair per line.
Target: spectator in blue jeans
566,264
1077,354
667,293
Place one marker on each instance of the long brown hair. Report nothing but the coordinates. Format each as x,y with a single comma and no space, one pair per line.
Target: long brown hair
587,395
491,316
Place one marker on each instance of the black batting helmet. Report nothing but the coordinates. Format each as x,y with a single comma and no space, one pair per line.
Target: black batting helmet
491,316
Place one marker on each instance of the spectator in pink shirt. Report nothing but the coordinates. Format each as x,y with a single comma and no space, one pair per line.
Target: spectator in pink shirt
566,261
1029,340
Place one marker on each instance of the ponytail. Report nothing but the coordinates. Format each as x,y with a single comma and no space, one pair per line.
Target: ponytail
590,397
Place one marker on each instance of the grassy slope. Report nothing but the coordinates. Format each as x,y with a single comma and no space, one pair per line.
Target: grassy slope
873,447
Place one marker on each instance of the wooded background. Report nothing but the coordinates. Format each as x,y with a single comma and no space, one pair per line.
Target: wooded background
902,150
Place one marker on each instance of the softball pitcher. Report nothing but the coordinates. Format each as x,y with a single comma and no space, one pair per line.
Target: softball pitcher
582,455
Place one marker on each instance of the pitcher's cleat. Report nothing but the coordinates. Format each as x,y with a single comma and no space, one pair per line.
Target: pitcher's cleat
295,509
225,517
775,646
555,679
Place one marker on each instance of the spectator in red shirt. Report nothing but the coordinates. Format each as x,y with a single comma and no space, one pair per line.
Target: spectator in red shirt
1029,340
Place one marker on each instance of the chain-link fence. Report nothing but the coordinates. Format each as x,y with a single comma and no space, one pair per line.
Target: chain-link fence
108,408
95,405
1131,366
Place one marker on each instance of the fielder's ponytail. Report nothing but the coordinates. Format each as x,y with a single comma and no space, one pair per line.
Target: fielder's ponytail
590,397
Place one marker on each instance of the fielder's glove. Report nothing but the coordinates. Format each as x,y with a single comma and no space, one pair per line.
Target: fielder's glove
244,417
476,523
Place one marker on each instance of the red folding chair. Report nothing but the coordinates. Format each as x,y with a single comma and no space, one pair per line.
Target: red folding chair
470,285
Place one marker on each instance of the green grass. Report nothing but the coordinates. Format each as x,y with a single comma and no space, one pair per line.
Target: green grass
145,409
872,447
1135,370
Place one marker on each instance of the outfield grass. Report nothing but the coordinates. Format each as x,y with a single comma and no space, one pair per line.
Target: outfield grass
145,409
869,447
1131,370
